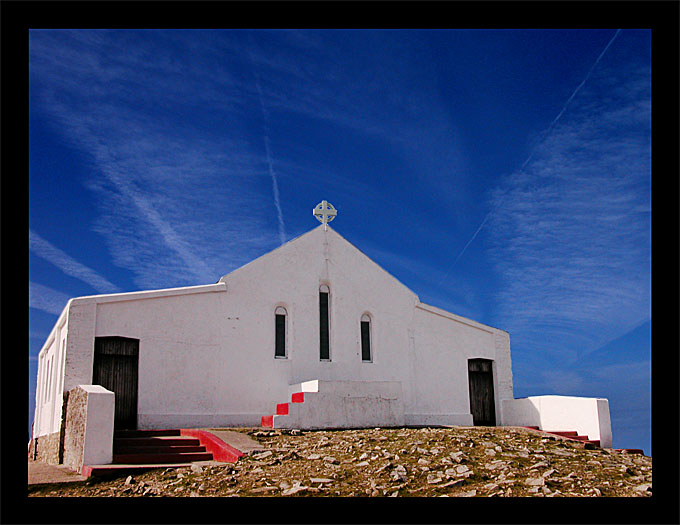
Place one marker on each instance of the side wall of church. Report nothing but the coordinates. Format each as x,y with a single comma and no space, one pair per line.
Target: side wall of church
49,386
188,372
444,343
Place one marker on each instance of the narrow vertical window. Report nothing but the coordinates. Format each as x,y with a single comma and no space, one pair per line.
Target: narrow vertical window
366,338
324,341
48,393
280,339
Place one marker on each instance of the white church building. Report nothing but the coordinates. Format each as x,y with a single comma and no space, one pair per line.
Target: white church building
313,334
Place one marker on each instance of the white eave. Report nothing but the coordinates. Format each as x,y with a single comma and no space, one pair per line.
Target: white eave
149,294
458,318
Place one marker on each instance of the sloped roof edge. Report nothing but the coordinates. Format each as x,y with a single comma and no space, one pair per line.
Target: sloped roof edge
335,233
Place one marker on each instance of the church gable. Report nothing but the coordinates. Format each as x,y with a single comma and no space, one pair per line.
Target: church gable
323,256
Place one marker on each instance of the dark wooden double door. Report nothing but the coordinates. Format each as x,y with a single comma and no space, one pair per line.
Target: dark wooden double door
480,381
116,361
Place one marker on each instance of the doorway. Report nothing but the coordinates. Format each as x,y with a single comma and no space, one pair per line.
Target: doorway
480,381
116,361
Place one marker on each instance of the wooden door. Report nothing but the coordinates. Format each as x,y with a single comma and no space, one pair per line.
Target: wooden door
115,368
480,380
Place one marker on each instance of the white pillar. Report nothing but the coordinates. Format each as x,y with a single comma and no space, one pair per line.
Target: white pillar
98,443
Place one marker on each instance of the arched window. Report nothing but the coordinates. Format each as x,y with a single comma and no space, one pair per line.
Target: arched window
324,322
280,332
366,338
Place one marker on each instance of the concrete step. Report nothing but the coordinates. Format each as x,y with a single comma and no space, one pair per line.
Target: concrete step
563,433
146,433
283,409
160,441
158,450
118,470
339,404
297,397
162,458
571,435
220,450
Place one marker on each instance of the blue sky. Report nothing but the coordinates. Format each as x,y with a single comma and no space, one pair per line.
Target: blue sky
503,175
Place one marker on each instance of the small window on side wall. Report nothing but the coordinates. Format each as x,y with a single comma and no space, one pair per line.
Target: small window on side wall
280,333
366,338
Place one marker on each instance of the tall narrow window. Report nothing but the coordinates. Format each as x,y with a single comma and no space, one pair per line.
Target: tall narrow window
365,338
280,339
324,341
49,380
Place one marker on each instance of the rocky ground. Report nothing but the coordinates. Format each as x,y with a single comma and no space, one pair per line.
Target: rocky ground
401,462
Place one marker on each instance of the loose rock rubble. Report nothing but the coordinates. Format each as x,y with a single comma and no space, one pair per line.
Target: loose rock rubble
452,462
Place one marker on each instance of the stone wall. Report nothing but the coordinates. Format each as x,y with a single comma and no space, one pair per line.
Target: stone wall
45,448
74,428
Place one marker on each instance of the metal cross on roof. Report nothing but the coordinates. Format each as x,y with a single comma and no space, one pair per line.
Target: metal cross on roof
325,212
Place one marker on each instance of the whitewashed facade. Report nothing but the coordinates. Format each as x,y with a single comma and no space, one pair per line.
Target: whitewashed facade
207,353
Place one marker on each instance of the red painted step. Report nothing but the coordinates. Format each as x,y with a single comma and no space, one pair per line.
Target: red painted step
158,450
282,409
141,450
162,458
220,450
298,397
106,470
156,442
568,434
563,433
146,433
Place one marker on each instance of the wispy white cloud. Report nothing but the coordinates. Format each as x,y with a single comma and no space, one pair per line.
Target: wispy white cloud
152,174
270,163
179,204
46,299
544,136
358,96
68,265
423,278
570,234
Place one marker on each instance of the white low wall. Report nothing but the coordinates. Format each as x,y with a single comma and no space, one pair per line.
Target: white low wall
586,415
381,389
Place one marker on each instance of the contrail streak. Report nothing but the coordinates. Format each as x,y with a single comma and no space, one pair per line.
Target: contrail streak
268,152
545,136
68,265
578,88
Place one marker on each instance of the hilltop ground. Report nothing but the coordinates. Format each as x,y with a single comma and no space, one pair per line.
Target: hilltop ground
454,462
